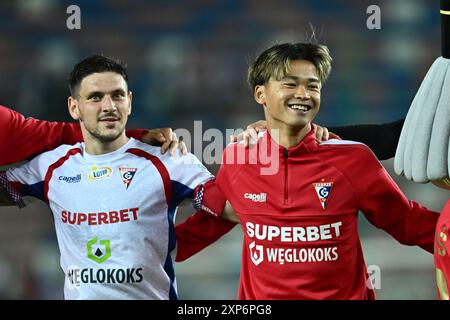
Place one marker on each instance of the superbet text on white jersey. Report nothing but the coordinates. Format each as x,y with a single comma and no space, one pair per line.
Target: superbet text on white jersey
114,216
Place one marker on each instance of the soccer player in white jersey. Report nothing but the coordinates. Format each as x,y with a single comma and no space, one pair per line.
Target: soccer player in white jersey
113,198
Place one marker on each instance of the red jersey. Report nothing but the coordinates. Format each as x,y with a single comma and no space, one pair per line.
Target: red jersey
441,252
300,224
22,139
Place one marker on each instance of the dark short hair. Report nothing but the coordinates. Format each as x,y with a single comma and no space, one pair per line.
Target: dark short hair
93,64
274,62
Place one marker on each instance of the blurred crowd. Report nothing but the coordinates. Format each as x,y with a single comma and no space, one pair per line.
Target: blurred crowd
187,61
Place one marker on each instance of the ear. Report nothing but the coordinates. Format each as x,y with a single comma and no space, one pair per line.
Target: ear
130,98
260,94
72,105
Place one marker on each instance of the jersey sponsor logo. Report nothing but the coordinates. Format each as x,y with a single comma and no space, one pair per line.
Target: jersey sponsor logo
98,251
291,255
74,179
127,175
256,253
78,276
98,218
292,233
99,173
261,197
323,190
296,255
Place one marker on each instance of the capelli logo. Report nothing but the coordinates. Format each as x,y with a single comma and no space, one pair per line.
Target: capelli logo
261,197
74,179
100,173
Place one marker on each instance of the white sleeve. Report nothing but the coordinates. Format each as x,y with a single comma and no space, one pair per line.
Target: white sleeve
186,173
187,170
29,178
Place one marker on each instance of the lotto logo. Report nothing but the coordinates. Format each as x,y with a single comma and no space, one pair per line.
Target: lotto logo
99,173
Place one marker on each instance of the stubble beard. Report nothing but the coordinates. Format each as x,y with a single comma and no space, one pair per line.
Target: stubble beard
104,137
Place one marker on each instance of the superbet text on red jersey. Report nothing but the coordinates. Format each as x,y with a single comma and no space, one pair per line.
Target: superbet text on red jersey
300,223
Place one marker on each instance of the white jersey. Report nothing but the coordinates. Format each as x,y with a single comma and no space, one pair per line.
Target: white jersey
114,216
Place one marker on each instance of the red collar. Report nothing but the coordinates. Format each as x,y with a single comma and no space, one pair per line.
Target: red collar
307,144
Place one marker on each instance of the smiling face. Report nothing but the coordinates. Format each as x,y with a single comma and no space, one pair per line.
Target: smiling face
102,106
294,100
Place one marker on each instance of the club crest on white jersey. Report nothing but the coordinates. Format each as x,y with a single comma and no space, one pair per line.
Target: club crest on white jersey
127,175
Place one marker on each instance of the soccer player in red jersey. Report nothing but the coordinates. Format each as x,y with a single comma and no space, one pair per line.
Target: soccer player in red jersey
299,210
441,252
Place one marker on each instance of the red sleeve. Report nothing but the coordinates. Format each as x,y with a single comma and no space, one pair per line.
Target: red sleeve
136,134
385,205
21,139
197,232
201,229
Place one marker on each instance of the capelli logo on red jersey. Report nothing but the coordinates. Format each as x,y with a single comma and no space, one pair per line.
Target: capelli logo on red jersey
261,197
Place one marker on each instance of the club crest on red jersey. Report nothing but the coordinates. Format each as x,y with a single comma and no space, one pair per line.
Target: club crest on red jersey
323,190
127,175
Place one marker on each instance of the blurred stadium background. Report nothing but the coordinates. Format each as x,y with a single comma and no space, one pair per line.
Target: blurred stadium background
187,61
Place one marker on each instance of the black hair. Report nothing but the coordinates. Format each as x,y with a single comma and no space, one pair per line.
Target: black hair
274,62
92,64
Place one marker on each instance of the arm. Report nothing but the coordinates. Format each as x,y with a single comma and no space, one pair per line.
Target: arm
21,139
384,204
229,214
197,232
381,138
205,227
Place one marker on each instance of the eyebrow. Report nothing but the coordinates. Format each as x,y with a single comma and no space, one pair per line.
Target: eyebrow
314,79
95,93
99,93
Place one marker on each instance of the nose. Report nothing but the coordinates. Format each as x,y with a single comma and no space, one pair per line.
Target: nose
108,104
302,93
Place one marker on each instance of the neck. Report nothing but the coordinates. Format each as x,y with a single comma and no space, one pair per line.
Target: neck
94,146
288,136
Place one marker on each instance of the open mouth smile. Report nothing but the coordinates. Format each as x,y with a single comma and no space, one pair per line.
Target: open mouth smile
299,107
